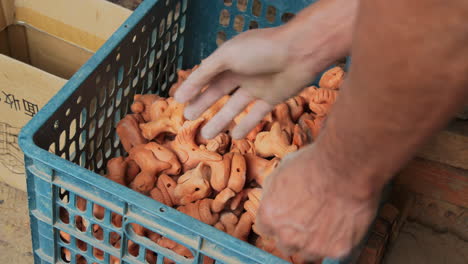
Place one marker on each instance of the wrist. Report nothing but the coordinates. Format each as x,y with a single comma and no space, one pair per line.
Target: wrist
361,182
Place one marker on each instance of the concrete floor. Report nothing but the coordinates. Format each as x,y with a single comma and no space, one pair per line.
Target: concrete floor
427,237
15,237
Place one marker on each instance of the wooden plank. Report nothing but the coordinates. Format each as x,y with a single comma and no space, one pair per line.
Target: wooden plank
450,146
435,180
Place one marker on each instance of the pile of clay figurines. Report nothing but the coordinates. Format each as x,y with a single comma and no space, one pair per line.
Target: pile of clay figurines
217,181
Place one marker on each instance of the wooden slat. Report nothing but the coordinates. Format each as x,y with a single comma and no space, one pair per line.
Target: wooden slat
435,180
449,146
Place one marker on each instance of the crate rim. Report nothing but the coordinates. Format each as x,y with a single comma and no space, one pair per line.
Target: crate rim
30,149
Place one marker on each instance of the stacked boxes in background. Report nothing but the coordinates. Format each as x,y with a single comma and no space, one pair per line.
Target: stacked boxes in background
42,44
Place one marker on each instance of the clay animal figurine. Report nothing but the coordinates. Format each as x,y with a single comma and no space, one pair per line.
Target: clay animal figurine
166,116
308,92
194,184
242,146
296,106
275,142
164,191
188,152
129,131
142,104
332,79
299,137
259,168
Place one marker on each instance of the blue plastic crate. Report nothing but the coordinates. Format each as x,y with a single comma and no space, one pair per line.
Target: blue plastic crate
68,143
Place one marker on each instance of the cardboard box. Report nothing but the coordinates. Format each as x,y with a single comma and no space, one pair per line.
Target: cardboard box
43,43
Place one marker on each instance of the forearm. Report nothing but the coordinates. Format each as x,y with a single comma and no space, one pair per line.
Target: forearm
321,32
408,78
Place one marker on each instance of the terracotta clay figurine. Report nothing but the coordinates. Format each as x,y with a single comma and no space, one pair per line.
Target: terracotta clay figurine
221,199
164,191
315,126
144,182
142,104
117,170
259,168
227,222
242,146
332,79
252,204
166,116
194,184
166,155
299,137
319,110
282,116
146,160
324,96
150,167
235,226
200,210
237,202
296,106
215,181
237,176
301,122
129,131
308,92
132,170
188,152
275,142
220,172
235,181
219,144
243,227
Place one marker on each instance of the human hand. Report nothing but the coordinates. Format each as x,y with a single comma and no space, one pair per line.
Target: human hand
267,66
311,212
256,62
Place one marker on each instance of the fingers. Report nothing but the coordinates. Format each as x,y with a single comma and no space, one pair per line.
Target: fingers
225,83
208,70
290,240
255,115
231,109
